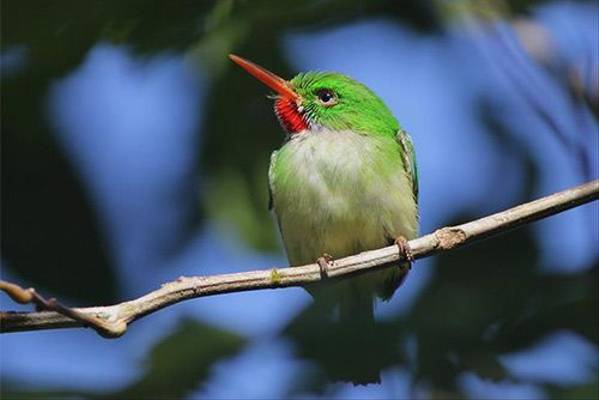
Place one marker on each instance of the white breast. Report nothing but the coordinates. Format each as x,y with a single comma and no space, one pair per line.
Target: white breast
340,193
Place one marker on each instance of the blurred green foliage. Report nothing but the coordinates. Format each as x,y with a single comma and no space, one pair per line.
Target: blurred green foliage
181,361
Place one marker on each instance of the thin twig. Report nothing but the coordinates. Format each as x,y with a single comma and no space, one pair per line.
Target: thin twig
118,316
25,296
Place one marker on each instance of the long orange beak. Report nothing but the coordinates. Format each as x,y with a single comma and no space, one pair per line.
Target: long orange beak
275,82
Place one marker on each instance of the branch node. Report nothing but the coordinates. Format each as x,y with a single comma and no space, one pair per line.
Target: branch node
275,276
112,330
450,237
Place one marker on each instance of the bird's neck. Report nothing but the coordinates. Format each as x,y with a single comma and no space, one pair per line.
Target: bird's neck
290,117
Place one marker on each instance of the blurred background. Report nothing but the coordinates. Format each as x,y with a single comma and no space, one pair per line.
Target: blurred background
133,152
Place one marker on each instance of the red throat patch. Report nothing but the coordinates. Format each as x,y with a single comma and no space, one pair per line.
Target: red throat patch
289,117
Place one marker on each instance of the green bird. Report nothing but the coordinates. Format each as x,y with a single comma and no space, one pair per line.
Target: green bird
344,181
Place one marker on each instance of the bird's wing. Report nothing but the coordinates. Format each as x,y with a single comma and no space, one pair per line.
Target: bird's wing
273,158
409,159
271,198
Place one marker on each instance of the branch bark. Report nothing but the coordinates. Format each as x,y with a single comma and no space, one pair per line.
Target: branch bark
116,318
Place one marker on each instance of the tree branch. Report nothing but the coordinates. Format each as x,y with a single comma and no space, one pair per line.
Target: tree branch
117,317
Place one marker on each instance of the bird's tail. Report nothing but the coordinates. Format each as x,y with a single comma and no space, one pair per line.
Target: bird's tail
356,306
357,327
352,346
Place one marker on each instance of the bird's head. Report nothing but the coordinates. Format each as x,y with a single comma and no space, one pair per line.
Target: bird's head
316,100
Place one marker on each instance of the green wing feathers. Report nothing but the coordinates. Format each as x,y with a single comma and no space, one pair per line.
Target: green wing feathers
273,159
394,275
409,159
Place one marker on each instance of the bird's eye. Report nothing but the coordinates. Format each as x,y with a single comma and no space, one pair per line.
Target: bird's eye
326,97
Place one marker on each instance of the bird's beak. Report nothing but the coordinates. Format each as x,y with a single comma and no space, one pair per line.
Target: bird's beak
275,82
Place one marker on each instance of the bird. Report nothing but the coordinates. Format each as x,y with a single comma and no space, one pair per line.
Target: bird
344,181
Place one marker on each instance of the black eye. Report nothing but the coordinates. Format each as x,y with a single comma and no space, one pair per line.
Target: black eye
326,96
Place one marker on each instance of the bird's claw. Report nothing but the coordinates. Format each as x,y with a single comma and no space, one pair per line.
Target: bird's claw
323,262
404,248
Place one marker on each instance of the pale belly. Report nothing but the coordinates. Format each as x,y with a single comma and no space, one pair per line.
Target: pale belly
340,193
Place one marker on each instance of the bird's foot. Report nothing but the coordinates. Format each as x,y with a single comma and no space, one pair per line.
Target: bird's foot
323,262
404,248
